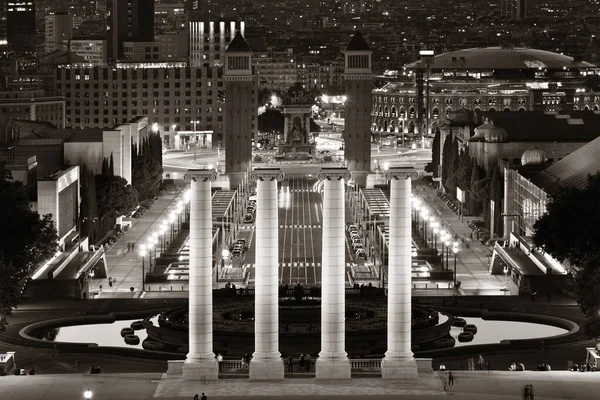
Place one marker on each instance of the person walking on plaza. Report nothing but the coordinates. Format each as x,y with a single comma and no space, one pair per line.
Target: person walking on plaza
307,361
220,361
450,379
302,362
203,397
290,363
196,397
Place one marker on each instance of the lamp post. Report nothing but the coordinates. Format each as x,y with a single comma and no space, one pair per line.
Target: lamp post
435,233
447,243
455,250
143,254
505,276
443,235
88,394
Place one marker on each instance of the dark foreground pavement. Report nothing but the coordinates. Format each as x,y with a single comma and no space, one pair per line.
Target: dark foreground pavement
469,385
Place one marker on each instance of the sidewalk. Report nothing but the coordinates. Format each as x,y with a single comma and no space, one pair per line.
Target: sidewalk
126,267
472,263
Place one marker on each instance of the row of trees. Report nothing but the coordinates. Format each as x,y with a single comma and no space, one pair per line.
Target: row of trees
26,240
106,196
460,170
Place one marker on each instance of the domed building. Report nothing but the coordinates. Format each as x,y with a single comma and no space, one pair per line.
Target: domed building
492,79
533,156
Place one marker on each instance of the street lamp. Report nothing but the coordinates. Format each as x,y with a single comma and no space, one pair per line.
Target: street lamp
443,236
435,233
505,276
143,254
455,250
88,394
447,243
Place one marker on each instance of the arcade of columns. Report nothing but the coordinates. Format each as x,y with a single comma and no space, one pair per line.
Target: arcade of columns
333,362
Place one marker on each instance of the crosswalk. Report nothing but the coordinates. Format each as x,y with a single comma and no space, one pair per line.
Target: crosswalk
300,226
300,264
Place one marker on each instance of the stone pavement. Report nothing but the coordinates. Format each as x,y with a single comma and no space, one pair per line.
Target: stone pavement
424,385
468,385
126,266
472,262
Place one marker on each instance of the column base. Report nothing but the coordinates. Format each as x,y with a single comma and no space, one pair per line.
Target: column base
269,369
202,371
399,368
333,368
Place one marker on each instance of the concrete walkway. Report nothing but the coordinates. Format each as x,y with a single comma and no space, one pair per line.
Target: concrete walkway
472,262
468,385
124,266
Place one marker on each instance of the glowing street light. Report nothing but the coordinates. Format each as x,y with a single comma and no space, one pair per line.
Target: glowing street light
455,250
88,394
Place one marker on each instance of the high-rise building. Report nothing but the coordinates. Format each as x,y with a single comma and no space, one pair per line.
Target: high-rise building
507,8
128,21
20,25
58,29
208,41
521,9
3,38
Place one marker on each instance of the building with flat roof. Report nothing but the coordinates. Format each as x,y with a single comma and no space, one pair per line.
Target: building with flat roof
91,51
33,105
20,25
58,29
172,95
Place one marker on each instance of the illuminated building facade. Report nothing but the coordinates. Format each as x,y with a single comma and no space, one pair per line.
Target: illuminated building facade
483,79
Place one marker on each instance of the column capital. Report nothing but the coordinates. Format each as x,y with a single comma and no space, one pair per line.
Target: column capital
203,175
401,172
269,174
333,174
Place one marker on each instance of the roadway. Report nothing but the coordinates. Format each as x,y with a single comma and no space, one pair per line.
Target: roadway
300,212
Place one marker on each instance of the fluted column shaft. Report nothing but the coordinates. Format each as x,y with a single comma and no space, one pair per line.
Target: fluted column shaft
266,361
200,275
266,310
333,312
399,272
399,362
333,360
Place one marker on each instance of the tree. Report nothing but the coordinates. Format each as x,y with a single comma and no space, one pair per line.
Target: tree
146,166
480,189
497,194
114,196
569,231
26,240
446,164
271,121
432,167
88,208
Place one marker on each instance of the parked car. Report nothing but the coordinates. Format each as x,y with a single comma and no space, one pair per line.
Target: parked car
248,219
352,227
361,253
242,241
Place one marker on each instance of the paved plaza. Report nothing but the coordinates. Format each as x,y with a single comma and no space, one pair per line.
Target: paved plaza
468,385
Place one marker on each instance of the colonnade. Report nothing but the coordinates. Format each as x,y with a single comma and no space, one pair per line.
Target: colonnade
333,362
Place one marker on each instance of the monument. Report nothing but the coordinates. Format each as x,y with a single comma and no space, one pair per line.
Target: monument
298,142
239,85
358,84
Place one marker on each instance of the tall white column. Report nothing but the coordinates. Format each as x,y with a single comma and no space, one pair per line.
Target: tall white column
267,363
200,363
333,362
398,362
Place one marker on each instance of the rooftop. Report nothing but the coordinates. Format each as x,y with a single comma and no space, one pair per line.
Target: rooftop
358,43
238,45
511,58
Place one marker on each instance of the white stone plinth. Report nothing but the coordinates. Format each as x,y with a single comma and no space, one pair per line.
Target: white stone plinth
200,361
333,360
266,361
206,371
268,369
333,368
399,362
394,368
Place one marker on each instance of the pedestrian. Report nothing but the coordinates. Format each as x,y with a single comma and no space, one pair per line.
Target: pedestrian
196,397
290,363
128,246
302,362
489,367
110,281
307,360
77,364
220,361
203,397
450,379
132,246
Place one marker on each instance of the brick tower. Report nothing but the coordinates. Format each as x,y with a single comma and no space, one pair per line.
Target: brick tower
238,111
358,84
